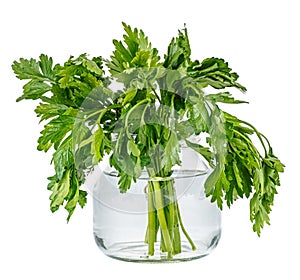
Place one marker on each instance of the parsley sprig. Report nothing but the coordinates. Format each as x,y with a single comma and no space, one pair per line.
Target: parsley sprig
162,103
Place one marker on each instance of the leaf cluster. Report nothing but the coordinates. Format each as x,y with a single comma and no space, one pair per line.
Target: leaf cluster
61,90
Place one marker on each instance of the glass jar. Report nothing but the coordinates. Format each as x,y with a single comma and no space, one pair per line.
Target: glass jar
157,219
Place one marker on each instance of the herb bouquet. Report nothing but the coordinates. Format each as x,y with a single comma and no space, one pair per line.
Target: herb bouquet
140,117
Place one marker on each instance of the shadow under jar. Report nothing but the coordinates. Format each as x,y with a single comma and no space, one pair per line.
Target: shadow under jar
157,219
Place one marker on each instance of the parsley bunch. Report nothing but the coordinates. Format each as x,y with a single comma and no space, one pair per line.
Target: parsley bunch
142,125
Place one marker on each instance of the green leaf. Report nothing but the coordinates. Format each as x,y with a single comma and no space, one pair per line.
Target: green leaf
40,74
38,85
179,51
96,146
34,90
204,151
60,191
258,214
53,180
93,67
274,162
224,97
63,157
137,52
142,59
129,95
27,69
46,66
218,194
82,198
71,205
246,179
171,152
68,75
214,72
77,78
32,69
133,149
212,180
238,179
258,179
56,130
125,182
265,181
73,197
86,141
47,111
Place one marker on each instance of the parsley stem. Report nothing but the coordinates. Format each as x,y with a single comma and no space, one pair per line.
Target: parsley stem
157,96
173,219
267,140
94,114
161,217
129,113
156,187
254,150
258,135
183,228
171,211
151,221
162,243
102,111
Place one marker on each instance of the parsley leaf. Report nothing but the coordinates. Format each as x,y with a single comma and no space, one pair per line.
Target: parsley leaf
179,52
214,72
40,73
137,52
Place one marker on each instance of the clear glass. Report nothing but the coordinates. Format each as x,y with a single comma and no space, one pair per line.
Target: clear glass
121,220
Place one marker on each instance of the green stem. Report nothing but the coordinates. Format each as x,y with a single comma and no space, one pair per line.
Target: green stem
164,213
252,147
147,233
157,96
162,243
161,217
177,239
267,140
151,232
258,135
129,113
173,219
184,230
103,111
171,212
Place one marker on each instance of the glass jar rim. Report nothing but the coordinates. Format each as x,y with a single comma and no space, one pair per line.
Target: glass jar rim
176,174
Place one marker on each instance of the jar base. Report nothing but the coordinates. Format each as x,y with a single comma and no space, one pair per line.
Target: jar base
138,251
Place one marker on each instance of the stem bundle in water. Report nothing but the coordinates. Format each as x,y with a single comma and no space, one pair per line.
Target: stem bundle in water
164,216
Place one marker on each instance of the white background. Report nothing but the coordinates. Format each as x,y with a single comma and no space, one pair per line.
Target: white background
258,38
